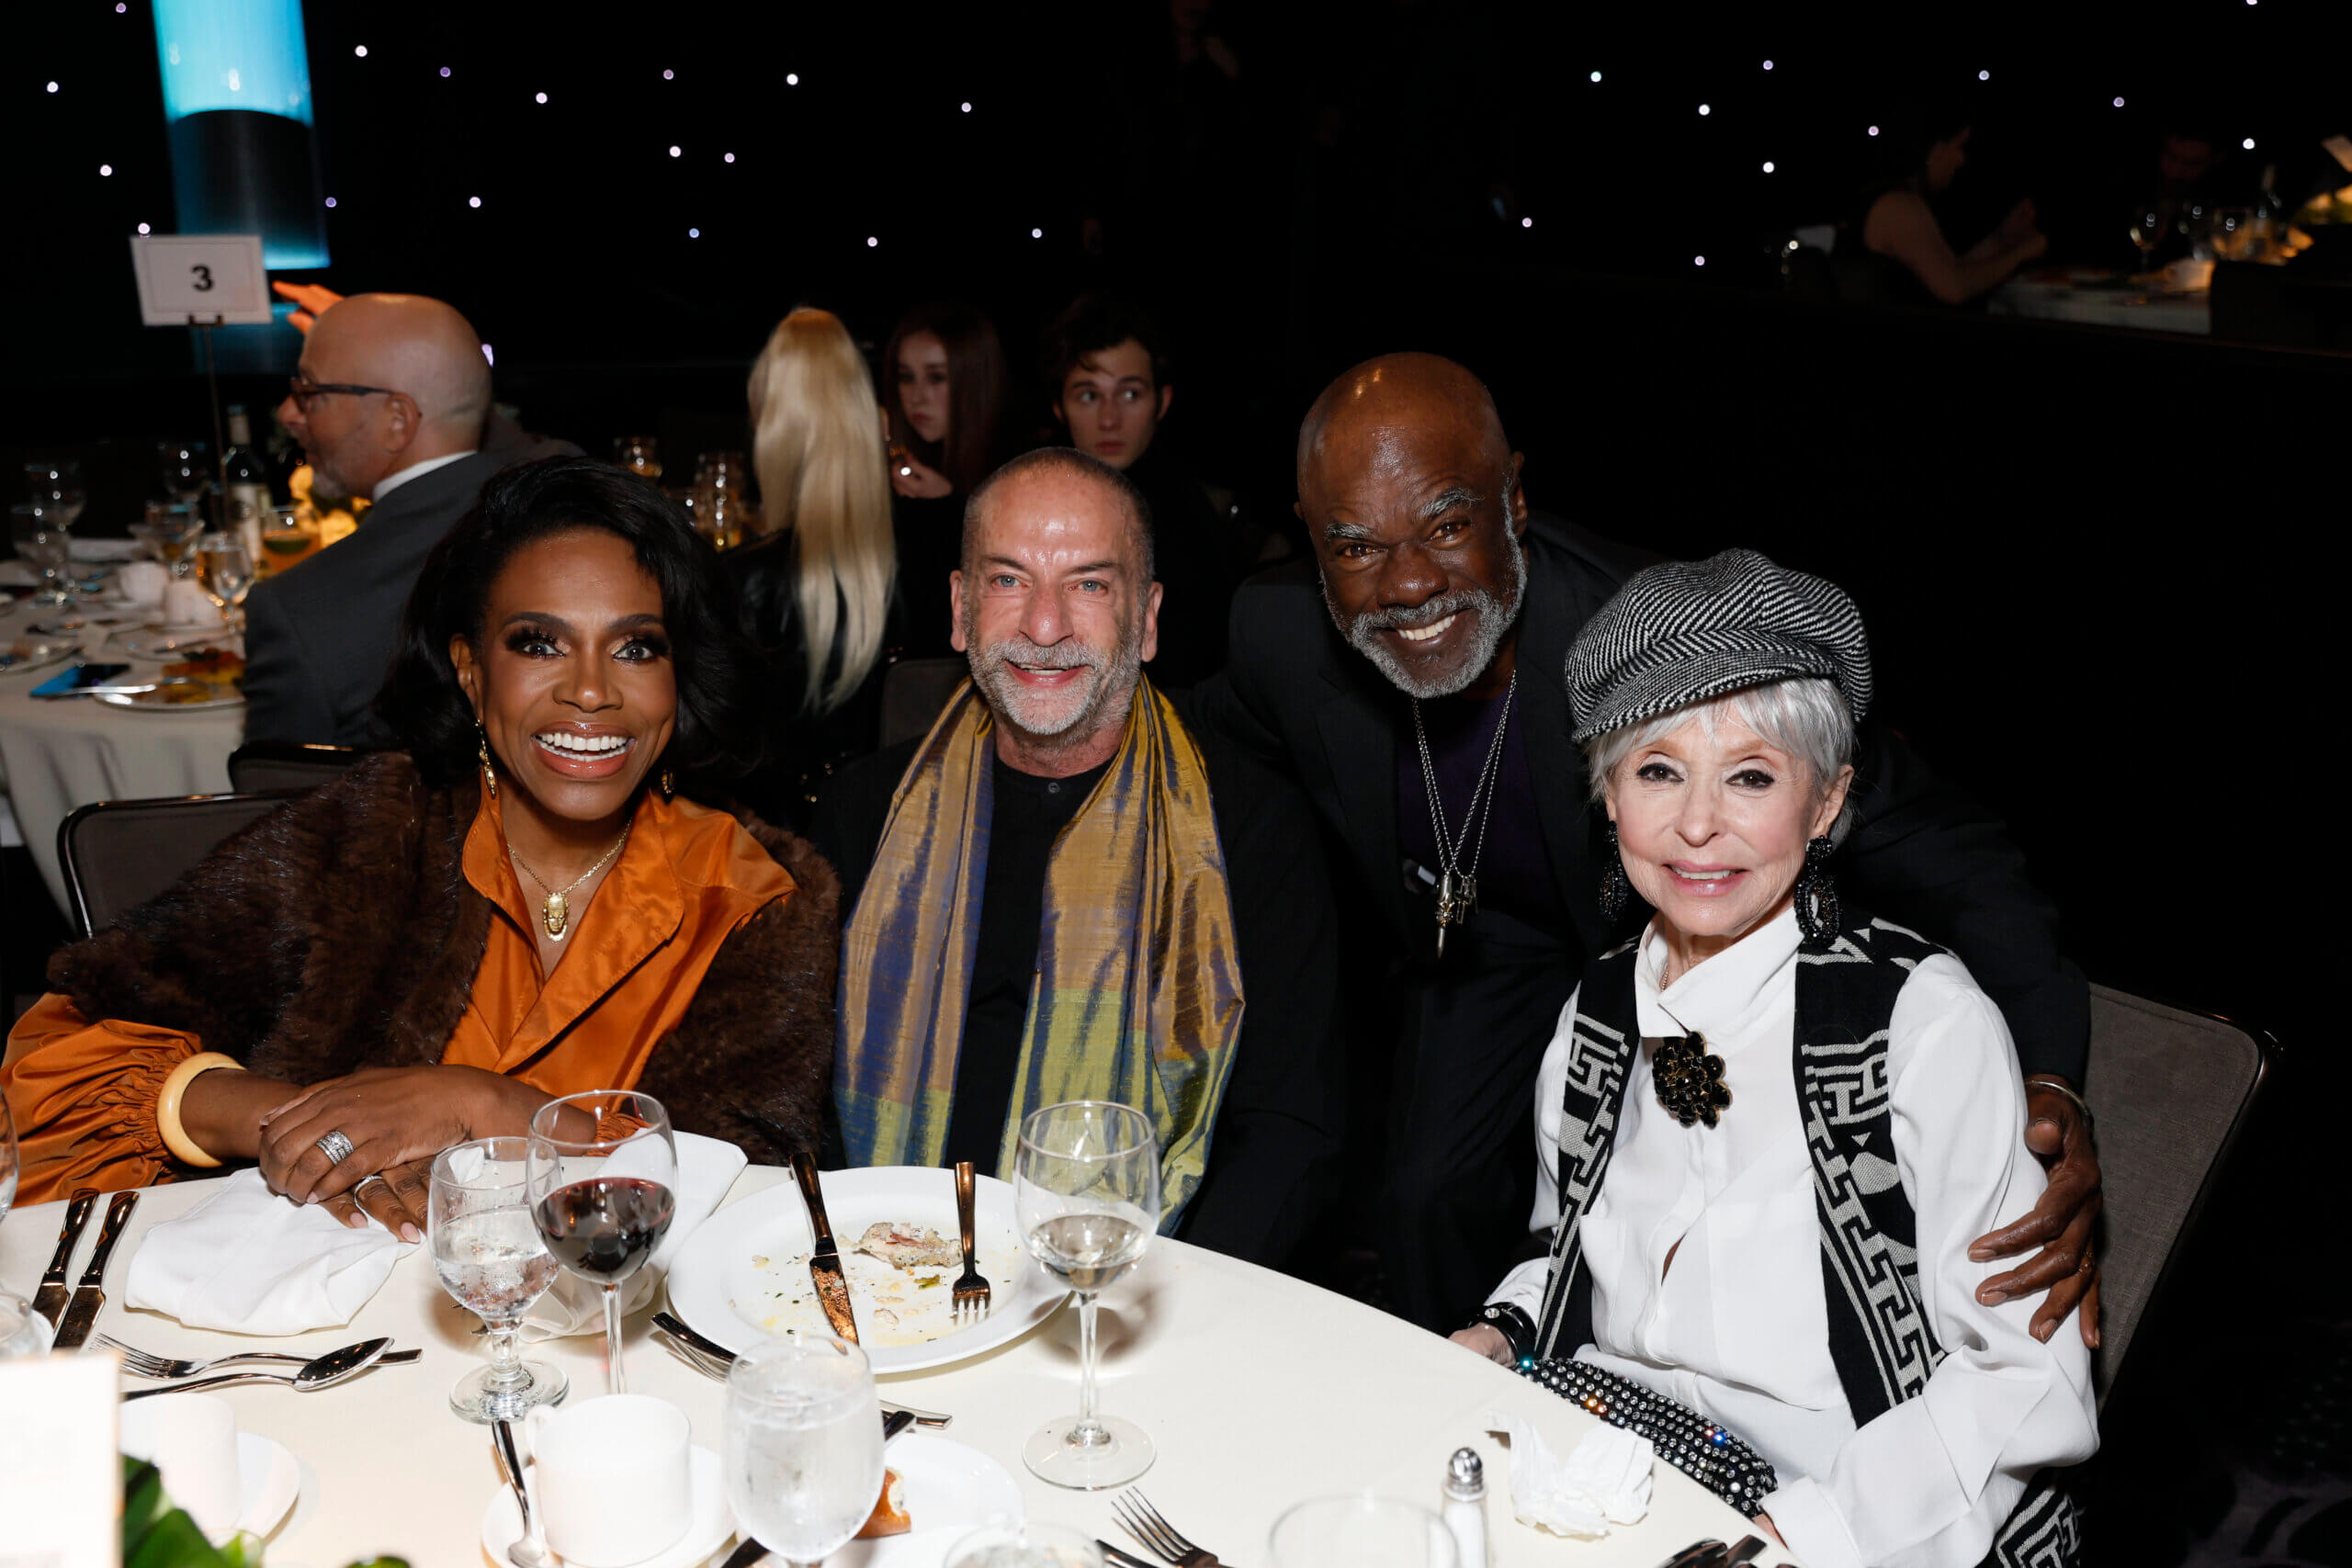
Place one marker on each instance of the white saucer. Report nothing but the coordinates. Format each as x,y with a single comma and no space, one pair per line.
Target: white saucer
501,1526
267,1479
952,1490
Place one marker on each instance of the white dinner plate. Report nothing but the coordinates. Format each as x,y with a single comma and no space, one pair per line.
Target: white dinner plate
267,1479
188,628
168,645
743,1275
57,653
501,1526
951,1490
152,701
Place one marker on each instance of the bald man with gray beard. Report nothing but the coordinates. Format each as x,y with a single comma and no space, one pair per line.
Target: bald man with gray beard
391,404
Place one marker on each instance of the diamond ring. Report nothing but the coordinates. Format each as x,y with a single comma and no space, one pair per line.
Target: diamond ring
335,1146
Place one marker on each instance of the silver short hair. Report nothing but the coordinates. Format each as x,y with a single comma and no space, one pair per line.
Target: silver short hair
1805,717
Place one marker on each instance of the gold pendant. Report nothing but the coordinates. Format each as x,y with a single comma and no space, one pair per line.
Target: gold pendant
556,914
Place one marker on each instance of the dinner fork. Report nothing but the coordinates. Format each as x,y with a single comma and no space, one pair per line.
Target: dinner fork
972,1287
1147,1525
147,1364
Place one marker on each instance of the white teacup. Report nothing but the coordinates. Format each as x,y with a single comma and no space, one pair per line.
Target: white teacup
185,603
192,1438
611,1478
143,583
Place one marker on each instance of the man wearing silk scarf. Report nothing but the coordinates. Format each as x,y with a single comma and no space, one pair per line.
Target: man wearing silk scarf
1061,892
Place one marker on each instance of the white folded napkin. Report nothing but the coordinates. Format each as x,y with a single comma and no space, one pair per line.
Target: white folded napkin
143,583
185,603
706,1168
248,1261
1605,1480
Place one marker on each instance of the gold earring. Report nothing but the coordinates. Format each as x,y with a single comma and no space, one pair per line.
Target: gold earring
668,785
481,749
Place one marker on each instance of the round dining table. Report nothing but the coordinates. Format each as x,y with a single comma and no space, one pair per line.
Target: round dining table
1260,1391
57,754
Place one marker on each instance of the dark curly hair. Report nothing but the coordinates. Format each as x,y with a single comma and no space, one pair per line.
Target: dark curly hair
716,735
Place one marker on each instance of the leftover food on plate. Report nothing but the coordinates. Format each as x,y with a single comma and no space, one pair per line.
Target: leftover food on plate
901,1245
901,1278
889,1515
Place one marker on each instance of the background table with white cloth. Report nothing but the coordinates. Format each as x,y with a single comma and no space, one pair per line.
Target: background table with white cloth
57,755
1260,1391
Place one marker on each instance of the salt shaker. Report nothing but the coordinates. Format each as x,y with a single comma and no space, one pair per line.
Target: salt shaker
1466,1506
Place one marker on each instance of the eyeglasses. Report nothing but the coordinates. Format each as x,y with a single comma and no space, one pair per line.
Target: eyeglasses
304,392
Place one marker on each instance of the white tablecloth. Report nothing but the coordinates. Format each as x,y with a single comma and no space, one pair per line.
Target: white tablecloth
2047,300
55,756
1258,1389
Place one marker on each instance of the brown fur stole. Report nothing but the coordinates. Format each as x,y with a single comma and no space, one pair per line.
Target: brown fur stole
341,933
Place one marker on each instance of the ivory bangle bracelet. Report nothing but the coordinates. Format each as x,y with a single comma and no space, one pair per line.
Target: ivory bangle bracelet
167,1106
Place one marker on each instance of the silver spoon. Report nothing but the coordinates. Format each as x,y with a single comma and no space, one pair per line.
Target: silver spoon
325,1372
531,1550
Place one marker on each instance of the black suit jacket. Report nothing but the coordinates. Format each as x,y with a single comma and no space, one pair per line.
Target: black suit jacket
1921,851
320,638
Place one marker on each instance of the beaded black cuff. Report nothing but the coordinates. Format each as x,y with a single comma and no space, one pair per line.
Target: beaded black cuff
1704,1451
1514,1324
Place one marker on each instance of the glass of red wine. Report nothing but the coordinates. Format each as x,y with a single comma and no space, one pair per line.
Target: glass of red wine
602,1172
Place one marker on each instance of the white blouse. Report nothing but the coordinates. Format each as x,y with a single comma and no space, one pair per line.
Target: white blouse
1737,1326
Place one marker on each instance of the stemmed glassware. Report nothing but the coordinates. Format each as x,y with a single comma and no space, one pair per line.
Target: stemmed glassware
803,1455
2148,229
41,537
493,1263
57,485
1086,1187
169,534
603,1170
188,473
22,1332
228,572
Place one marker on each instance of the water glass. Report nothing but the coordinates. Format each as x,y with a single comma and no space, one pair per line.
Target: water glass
57,485
803,1455
492,1262
228,572
1362,1530
42,542
603,1172
169,534
1086,1188
1031,1545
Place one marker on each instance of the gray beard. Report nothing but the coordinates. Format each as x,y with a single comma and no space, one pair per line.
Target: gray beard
1114,678
1493,620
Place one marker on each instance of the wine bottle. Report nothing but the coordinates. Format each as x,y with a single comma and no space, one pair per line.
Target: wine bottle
246,489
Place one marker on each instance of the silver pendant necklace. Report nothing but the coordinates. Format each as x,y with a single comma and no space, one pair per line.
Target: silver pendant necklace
1457,887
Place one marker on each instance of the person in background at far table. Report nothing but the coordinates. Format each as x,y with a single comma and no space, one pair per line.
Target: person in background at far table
1063,893
1896,251
817,592
525,902
1385,678
391,402
1107,363
1769,1128
944,390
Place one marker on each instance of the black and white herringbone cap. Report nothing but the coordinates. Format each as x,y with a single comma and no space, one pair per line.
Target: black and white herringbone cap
1686,632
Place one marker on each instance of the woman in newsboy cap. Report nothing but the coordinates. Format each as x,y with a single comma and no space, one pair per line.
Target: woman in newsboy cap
1769,1128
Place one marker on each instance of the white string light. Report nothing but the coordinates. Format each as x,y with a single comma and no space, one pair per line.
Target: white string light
1596,75
871,241
53,87
967,109
1036,233
1984,75
473,201
1698,261
1873,131
673,151
1768,65
730,157
693,234
142,227
2248,144
1527,222
361,51
792,78
2118,103
444,72
1768,165
330,201
668,75
105,170
543,98
1704,110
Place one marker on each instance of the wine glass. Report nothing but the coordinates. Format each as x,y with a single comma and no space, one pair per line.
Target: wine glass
1086,1187
228,572
1362,1530
188,471
41,538
640,455
604,1175
803,1458
492,1262
1031,1545
2148,227
169,534
57,485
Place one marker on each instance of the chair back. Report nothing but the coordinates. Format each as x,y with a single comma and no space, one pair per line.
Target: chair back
2170,1090
117,854
259,766
913,691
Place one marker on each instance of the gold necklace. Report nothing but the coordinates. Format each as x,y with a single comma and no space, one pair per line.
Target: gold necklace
556,913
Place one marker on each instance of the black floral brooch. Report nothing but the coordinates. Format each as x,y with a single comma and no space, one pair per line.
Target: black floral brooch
1690,1081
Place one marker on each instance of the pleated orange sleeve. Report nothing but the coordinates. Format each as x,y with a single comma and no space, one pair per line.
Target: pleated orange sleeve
83,1096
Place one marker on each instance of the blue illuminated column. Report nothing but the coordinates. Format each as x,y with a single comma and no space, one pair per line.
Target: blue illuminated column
237,108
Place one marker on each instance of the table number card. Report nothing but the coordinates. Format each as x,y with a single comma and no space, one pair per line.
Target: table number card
60,1476
203,276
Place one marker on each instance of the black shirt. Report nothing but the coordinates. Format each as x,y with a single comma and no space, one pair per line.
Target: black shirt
1512,868
1274,1155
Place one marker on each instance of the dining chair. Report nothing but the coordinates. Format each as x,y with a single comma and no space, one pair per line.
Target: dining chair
117,854
261,765
2171,1090
913,691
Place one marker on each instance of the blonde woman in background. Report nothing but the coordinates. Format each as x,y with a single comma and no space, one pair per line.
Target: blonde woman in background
818,591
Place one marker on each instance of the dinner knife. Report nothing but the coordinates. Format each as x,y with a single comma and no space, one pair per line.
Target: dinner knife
825,1260
678,1329
90,1295
49,1300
